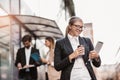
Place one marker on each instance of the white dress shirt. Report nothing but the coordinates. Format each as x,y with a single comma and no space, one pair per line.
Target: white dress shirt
27,55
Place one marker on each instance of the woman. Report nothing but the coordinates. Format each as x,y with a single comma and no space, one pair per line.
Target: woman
52,73
74,54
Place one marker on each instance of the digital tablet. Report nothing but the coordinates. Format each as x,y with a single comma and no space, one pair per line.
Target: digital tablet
98,46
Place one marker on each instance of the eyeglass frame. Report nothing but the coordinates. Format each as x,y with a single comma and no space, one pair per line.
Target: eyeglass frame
79,27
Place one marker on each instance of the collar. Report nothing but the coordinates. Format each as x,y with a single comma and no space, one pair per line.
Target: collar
28,48
73,37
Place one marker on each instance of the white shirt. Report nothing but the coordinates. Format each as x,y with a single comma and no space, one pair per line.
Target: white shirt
79,70
27,55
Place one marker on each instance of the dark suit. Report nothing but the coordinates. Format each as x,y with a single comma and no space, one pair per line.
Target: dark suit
63,49
20,58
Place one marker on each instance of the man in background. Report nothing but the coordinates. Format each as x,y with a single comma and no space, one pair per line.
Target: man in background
25,63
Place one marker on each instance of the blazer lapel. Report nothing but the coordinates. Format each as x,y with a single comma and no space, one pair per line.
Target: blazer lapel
81,42
68,45
30,55
24,57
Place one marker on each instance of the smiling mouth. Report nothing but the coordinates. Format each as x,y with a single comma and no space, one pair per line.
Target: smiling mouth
78,30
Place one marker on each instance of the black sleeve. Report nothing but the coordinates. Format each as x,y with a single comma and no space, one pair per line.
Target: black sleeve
18,57
97,62
59,62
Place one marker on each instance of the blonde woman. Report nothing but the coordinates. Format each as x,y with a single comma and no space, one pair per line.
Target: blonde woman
75,54
52,73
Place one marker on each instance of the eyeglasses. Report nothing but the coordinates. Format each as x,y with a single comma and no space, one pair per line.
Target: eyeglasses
78,26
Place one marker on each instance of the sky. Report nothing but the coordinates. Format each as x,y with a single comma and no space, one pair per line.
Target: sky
103,14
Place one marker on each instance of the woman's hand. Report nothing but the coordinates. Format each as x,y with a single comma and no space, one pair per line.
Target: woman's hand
79,51
93,55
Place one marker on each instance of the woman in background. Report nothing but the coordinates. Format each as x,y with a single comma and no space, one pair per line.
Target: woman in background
52,73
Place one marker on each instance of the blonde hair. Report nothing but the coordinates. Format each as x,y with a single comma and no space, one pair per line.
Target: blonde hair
51,40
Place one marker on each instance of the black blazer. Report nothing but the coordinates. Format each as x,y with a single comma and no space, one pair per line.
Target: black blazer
63,49
20,58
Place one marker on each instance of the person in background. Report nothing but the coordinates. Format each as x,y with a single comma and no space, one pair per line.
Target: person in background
25,63
52,73
74,54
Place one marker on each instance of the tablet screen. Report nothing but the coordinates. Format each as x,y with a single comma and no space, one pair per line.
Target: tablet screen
98,46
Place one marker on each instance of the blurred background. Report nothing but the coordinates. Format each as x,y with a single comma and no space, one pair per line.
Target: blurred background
42,18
